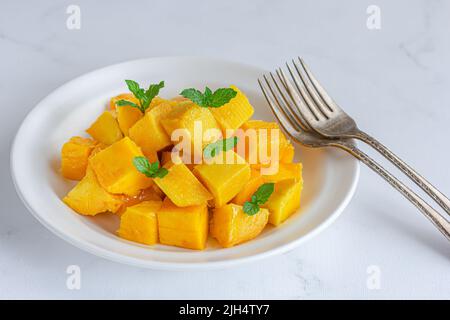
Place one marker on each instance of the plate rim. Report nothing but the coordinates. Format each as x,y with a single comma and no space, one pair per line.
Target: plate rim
159,265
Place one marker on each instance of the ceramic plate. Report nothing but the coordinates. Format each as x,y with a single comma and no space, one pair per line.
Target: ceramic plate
330,176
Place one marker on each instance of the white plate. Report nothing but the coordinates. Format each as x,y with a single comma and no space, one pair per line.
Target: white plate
330,176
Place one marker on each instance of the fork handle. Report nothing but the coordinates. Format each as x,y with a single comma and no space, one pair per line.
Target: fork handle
435,217
434,193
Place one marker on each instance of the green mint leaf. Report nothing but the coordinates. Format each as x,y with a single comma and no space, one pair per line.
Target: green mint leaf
161,173
133,86
263,193
142,165
209,99
151,170
195,96
213,149
221,96
152,91
125,103
250,208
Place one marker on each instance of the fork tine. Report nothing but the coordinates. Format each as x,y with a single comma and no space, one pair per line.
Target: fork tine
306,113
329,102
316,101
299,120
302,88
285,110
285,124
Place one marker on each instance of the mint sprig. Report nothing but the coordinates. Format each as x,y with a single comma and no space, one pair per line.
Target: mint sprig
151,170
145,97
258,198
209,99
213,149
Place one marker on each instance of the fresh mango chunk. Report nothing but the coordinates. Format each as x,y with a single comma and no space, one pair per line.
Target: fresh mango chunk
185,227
224,180
115,170
256,180
182,187
105,129
185,116
74,157
126,117
148,132
235,113
287,154
285,171
284,201
124,96
89,198
261,151
230,225
139,223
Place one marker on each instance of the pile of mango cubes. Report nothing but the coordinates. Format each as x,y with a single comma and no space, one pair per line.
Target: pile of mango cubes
192,200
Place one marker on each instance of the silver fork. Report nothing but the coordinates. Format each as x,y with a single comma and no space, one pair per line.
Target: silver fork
322,114
299,130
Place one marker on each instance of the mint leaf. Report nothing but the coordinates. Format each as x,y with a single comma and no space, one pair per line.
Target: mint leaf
221,96
259,198
142,164
263,193
209,99
124,103
194,95
213,149
151,170
250,208
145,97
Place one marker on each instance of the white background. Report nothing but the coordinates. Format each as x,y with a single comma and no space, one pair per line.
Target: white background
394,81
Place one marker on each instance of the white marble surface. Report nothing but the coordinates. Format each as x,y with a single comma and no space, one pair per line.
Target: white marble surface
402,69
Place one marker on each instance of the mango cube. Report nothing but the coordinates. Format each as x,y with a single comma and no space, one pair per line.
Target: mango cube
115,170
285,171
89,198
139,223
230,225
148,132
183,227
224,180
74,157
260,151
287,154
185,117
284,201
234,113
126,117
255,181
105,129
182,187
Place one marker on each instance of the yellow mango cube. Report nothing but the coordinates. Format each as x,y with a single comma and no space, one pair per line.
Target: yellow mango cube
74,157
284,201
139,223
287,154
185,116
182,187
255,181
89,198
265,141
224,180
234,113
105,129
285,171
126,117
123,96
230,225
148,132
115,170
185,227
